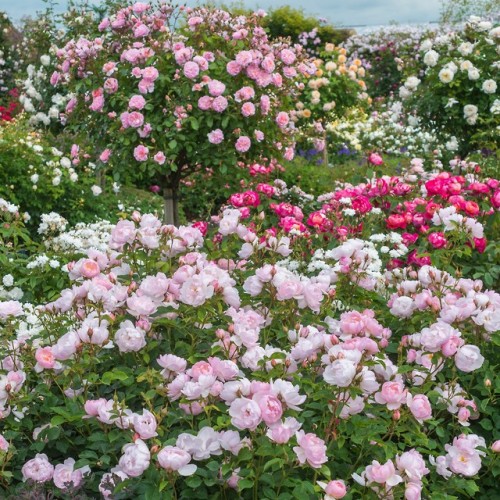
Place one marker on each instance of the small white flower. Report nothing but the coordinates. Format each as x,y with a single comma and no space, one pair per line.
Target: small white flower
96,190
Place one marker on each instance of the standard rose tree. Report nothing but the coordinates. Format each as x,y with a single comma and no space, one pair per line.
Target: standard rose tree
165,90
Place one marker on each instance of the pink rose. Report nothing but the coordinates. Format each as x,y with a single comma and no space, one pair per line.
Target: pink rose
141,153
137,102
233,68
469,358
111,85
105,155
243,144
89,268
150,73
310,449
270,407
135,119
287,56
191,70
66,476
219,104
420,407
159,158
128,338
216,88
393,394
172,458
216,136
245,414
382,474
123,232
45,357
4,444
336,489
145,425
135,458
248,109
10,308
281,432
38,469
282,119
375,159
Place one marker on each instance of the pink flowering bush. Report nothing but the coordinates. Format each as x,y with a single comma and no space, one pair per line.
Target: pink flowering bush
165,90
286,348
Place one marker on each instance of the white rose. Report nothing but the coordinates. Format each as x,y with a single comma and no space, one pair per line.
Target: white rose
340,373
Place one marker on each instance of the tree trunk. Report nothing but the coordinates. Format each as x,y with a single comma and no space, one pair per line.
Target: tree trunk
170,205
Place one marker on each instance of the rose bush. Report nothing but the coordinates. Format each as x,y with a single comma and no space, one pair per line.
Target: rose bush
292,347
224,90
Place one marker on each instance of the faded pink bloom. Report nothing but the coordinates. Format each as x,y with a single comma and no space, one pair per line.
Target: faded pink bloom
38,469
245,414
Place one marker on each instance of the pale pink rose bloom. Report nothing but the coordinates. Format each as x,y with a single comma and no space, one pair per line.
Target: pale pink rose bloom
382,474
281,432
172,363
194,291
199,369
469,358
420,407
245,414
231,441
140,7
141,30
233,68
336,489
340,373
289,289
287,56
89,268
403,307
224,369
123,232
111,85
45,357
66,476
270,407
219,104
128,338
282,119
137,102
495,447
248,109
141,153
159,158
110,480
259,135
310,449
393,394
92,406
216,136
172,458
4,444
141,306
288,394
38,469
145,424
105,155
191,70
135,458
413,491
412,465
66,346
216,88
135,119
150,73
10,308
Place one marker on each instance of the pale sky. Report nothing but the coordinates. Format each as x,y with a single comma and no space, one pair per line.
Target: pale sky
339,12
